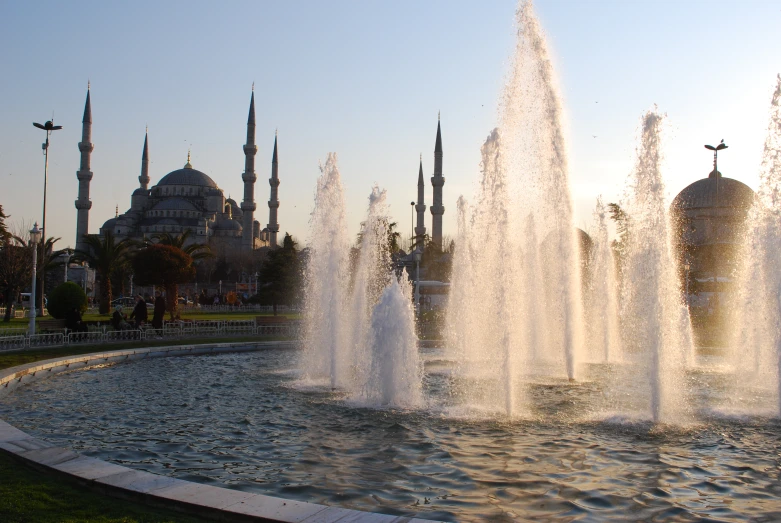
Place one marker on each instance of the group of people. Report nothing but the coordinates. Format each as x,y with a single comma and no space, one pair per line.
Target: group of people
140,314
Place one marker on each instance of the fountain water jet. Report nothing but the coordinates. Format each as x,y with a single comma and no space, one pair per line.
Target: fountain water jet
601,299
656,320
757,340
523,296
325,282
360,338
396,373
370,276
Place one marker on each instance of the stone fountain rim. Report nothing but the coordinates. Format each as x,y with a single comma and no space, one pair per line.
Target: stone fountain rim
153,489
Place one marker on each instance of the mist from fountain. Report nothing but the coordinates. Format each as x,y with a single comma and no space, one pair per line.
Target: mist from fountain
655,319
603,338
358,321
371,274
756,354
324,358
523,294
396,371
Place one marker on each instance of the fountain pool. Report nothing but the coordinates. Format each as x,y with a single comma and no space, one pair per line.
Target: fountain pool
245,421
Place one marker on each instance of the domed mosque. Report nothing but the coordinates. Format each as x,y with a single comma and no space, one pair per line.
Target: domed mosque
186,199
709,218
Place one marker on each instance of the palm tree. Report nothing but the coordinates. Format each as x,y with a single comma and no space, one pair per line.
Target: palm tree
15,269
3,228
393,239
48,260
105,256
196,251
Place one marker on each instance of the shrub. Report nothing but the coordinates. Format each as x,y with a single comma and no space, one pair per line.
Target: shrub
65,297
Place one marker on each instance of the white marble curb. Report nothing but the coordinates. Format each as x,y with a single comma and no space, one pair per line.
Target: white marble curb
115,480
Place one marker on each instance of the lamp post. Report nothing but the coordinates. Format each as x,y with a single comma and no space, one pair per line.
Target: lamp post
256,283
68,254
417,255
35,237
49,127
220,290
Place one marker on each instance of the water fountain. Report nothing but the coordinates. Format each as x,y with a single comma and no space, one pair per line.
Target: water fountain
360,333
362,417
656,320
327,268
757,342
601,295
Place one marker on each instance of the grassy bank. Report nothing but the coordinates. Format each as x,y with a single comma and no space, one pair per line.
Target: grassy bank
27,495
20,357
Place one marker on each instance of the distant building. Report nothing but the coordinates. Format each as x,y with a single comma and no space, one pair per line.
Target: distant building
185,199
708,221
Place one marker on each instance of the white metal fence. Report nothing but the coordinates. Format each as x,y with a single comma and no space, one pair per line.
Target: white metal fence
15,339
220,308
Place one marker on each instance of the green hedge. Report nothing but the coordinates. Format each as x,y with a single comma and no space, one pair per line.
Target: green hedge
64,298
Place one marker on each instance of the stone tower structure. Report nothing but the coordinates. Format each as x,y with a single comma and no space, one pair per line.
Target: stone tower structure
273,202
437,181
248,205
83,203
144,178
140,197
420,208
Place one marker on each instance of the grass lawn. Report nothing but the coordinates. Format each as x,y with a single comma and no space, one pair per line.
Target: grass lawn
27,495
11,359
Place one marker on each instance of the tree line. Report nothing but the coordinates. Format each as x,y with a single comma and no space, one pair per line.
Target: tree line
165,261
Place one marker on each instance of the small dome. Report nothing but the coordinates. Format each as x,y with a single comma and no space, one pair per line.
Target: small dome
714,191
187,176
141,192
174,204
109,224
226,225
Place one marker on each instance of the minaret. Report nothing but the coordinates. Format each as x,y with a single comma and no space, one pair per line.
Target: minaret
420,227
83,203
144,178
437,181
248,205
140,197
273,201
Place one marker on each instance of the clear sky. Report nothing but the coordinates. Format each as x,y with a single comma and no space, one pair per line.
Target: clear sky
366,80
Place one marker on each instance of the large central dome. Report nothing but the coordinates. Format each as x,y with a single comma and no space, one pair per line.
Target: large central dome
187,176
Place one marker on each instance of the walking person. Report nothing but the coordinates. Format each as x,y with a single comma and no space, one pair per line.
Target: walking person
159,312
139,312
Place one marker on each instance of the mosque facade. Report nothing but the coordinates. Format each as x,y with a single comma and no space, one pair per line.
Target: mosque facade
185,199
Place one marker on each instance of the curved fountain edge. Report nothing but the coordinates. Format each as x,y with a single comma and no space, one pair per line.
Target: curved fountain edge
152,489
